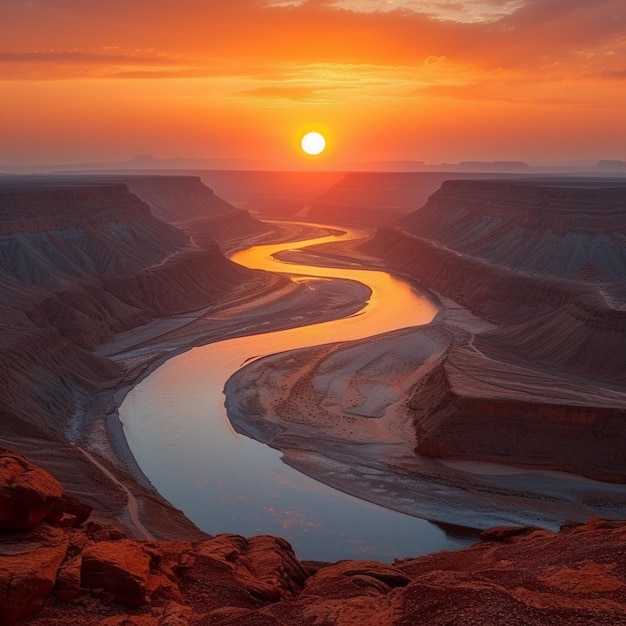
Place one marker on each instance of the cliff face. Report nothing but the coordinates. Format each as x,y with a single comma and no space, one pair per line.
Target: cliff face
378,197
272,194
179,200
564,231
80,261
184,199
546,263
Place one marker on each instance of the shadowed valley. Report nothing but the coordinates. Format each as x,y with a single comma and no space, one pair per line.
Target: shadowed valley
467,420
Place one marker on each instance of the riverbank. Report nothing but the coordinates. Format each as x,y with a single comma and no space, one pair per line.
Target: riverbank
270,303
338,412
345,414
348,426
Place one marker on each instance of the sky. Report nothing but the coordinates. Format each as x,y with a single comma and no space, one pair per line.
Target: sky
434,80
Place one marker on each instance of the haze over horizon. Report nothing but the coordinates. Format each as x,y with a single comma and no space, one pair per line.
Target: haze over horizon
518,80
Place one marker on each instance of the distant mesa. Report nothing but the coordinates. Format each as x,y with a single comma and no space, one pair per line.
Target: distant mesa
492,166
611,166
382,197
510,167
145,162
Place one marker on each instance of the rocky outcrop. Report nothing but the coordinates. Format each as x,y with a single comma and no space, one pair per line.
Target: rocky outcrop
29,563
566,229
89,574
123,568
27,493
34,204
185,199
518,413
176,199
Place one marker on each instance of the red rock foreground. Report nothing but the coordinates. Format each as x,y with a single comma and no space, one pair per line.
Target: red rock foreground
56,567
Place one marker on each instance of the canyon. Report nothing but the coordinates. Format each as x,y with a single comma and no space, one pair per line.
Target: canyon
545,263
522,366
81,262
513,394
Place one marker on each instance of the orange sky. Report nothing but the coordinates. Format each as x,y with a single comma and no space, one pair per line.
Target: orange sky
434,80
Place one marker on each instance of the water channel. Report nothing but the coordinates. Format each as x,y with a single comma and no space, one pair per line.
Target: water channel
177,428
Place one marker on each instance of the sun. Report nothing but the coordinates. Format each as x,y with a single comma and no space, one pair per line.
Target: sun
313,143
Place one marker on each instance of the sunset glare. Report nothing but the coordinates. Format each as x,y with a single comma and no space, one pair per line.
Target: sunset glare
237,80
313,143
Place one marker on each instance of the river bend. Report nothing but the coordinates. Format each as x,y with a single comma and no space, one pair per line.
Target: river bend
177,428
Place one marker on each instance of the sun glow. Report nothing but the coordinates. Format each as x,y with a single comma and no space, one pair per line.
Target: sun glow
313,143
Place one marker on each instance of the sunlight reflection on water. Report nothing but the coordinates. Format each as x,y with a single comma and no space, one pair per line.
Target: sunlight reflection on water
177,428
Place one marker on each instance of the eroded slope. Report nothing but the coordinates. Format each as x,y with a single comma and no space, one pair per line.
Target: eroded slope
80,261
545,262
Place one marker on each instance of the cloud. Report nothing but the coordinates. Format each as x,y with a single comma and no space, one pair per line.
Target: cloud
507,94
579,33
423,73
282,93
80,57
616,74
75,64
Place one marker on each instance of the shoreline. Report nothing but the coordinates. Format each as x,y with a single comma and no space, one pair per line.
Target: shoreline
389,458
144,349
327,447
375,461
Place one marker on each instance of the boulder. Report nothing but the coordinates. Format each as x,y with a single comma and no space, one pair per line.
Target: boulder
68,511
27,492
266,567
29,562
348,579
68,579
122,568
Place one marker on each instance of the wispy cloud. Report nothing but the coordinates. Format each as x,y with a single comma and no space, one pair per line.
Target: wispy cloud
81,57
616,74
282,93
533,33
392,62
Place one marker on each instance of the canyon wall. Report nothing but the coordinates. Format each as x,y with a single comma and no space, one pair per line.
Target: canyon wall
545,262
185,199
377,198
272,194
182,200
84,259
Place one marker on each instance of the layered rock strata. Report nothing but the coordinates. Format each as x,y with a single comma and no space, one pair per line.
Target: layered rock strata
185,200
545,262
376,198
79,262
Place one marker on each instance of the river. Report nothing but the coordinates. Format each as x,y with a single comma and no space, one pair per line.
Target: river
177,428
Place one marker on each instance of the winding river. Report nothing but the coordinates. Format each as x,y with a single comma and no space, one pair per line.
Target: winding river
177,428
